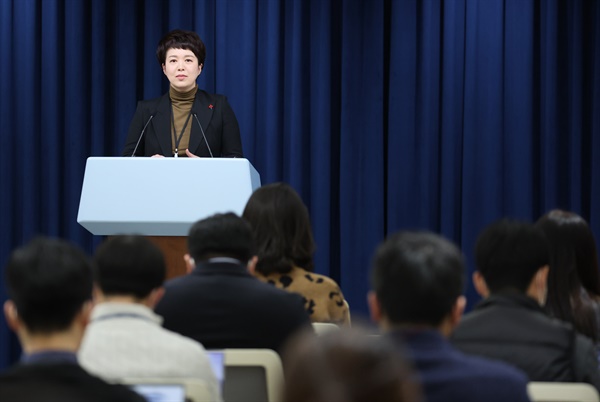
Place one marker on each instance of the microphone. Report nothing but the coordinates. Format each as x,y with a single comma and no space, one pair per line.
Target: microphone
142,134
203,136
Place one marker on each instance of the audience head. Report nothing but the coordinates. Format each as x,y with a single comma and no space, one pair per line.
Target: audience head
281,228
417,279
511,256
346,366
573,279
49,282
129,265
220,235
180,39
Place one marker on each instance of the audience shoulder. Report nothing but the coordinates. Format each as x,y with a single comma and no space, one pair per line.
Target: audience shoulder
271,291
586,361
193,346
508,380
496,368
326,282
337,307
197,356
177,281
290,303
322,282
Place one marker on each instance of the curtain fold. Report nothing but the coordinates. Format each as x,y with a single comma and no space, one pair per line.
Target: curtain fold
594,117
383,114
517,101
403,135
7,203
361,183
451,111
320,62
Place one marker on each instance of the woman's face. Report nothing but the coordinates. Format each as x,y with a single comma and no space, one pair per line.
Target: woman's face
181,68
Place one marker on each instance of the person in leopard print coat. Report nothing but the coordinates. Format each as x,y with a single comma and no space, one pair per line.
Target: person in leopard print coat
285,246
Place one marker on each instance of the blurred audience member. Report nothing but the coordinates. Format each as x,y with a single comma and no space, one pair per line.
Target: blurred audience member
125,338
574,279
347,366
50,289
285,246
219,303
418,280
510,324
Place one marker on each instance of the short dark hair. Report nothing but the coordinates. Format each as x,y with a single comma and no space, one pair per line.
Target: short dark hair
417,277
129,265
180,39
225,235
508,253
49,280
574,280
281,228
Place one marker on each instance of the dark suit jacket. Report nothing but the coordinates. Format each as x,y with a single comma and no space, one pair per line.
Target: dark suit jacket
513,327
222,306
448,375
214,114
59,382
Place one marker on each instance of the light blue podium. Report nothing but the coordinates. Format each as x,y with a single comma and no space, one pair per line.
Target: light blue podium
161,197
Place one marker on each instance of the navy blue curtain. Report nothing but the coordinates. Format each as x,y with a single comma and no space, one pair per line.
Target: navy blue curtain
383,114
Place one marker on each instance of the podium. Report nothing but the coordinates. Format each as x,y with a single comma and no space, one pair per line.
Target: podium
162,197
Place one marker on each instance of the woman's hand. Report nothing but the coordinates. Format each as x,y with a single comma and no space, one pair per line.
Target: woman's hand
190,155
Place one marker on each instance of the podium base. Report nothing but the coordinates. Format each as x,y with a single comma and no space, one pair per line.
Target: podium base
173,248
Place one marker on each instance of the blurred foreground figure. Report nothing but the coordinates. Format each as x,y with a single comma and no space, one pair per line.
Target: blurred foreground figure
347,366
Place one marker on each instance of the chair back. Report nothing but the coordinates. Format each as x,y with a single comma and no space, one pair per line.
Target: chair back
562,392
252,375
349,318
324,327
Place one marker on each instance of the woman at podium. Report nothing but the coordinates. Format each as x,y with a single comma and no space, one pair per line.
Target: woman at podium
186,121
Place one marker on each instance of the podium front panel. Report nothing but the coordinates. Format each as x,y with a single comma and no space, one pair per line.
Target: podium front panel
161,196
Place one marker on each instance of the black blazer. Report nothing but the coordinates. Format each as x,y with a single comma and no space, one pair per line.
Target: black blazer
214,114
222,306
513,327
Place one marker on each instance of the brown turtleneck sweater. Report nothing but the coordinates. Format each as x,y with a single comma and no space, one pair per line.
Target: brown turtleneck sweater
182,104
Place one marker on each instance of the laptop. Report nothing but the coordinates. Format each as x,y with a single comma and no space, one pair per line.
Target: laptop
217,362
161,392
165,390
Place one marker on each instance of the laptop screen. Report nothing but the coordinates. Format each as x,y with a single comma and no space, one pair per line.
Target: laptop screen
161,392
217,362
